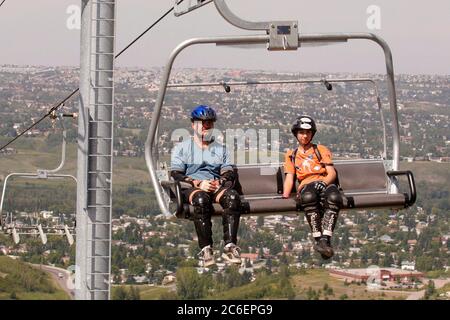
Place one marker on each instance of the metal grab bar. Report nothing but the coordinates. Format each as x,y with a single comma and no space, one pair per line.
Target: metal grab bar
411,198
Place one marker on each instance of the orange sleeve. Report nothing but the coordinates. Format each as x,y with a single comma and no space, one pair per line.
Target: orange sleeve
288,165
326,155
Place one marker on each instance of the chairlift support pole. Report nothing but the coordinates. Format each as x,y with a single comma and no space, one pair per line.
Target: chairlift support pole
95,150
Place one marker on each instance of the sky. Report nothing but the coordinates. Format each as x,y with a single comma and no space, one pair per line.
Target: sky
418,32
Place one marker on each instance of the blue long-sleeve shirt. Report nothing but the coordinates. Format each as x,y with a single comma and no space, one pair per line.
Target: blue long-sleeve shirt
198,163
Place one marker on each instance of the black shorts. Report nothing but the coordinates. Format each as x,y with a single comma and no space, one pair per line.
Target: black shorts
186,193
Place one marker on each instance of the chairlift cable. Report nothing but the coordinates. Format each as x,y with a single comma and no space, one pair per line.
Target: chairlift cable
75,91
148,29
2,3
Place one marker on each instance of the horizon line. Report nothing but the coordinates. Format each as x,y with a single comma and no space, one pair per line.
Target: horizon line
228,68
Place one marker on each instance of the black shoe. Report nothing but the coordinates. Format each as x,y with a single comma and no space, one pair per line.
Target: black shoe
326,251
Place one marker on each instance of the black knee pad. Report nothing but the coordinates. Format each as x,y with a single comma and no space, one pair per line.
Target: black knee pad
231,200
333,198
308,199
202,204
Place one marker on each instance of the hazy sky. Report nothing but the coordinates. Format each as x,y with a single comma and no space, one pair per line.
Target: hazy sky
35,32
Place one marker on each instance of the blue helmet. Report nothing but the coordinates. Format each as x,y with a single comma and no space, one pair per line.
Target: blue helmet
203,113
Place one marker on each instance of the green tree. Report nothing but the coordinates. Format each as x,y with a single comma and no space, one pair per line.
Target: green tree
119,293
134,293
233,277
189,284
424,263
260,221
430,291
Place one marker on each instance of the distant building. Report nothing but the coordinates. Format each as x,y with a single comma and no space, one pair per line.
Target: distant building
250,256
385,238
46,214
384,274
4,250
8,151
407,265
140,279
168,279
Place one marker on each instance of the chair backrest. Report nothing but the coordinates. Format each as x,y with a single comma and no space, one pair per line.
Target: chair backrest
261,180
363,176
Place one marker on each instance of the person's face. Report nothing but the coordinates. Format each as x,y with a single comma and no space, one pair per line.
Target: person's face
304,136
202,127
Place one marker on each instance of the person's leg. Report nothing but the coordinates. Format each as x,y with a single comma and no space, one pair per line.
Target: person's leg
332,205
309,201
231,204
202,203
203,209
230,201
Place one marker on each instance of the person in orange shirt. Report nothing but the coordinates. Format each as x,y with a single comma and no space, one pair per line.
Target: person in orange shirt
317,194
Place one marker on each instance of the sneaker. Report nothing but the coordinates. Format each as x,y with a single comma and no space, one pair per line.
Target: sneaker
324,248
207,257
231,253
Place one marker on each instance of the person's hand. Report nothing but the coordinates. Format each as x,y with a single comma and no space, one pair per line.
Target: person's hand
217,184
320,186
208,185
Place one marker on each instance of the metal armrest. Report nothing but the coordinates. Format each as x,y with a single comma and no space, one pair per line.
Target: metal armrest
179,199
411,198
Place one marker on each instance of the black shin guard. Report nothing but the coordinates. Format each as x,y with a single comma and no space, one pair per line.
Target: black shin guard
202,218
332,204
309,201
231,204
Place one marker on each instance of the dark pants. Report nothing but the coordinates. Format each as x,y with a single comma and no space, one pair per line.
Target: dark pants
321,215
203,210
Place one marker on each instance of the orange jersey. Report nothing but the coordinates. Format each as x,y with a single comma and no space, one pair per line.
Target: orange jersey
307,167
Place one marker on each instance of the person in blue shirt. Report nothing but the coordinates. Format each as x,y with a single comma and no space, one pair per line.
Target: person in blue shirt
204,165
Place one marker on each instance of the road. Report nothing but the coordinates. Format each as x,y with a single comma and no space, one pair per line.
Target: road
439,283
62,282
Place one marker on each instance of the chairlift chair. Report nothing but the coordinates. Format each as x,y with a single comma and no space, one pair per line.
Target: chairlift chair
365,183
7,222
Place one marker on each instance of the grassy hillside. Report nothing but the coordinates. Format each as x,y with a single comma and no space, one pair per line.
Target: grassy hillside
34,154
19,280
145,292
430,172
30,158
310,284
313,284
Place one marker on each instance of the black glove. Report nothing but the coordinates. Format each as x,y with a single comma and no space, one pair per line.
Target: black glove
227,179
180,176
320,186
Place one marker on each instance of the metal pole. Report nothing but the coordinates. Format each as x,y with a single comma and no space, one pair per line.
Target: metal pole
80,257
95,148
